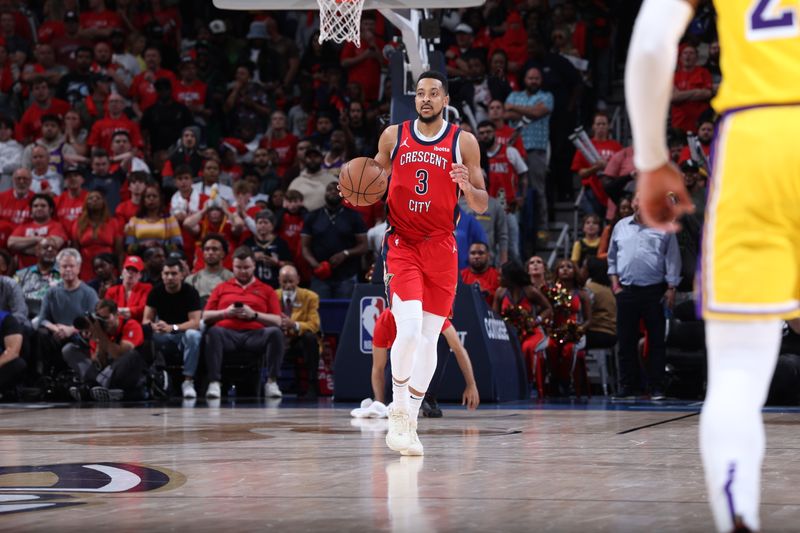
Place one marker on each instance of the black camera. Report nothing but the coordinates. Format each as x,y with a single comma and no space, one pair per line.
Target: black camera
86,320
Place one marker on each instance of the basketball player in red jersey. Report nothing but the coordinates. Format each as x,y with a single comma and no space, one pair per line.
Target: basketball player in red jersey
431,163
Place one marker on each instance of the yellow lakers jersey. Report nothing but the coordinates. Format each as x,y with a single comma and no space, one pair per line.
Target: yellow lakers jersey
760,48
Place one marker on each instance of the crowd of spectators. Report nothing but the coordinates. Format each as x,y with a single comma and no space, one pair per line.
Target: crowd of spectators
153,151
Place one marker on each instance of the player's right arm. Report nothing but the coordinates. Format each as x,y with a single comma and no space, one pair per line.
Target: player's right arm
386,146
652,57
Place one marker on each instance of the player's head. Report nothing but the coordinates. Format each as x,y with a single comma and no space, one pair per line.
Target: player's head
432,96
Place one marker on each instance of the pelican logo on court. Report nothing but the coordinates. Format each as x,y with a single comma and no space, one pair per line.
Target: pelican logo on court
36,488
371,308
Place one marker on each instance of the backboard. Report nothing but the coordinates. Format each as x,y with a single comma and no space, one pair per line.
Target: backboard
290,5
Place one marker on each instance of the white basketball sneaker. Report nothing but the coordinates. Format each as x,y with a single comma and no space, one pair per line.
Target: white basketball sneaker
398,438
415,446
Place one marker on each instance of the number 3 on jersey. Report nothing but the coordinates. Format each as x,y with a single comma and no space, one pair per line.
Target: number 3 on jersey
766,19
422,185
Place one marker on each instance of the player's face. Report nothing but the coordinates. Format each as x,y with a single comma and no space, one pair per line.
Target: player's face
430,99
478,257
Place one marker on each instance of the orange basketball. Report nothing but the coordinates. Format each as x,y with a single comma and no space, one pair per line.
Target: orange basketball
362,181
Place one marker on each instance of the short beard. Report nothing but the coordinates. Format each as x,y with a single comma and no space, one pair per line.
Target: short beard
431,119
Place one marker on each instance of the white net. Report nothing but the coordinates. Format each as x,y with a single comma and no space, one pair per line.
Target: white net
340,20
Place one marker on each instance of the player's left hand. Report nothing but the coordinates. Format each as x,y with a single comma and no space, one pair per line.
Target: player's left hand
471,398
663,198
460,175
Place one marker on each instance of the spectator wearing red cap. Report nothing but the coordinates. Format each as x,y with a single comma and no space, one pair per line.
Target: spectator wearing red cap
96,232
143,90
30,125
691,91
103,130
24,238
131,294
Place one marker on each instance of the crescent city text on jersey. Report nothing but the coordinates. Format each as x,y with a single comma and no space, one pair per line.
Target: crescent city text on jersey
419,156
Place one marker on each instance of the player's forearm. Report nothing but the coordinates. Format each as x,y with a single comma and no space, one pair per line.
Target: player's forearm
648,76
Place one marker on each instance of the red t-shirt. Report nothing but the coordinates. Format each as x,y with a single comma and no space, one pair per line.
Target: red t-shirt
90,245
131,331
125,211
34,229
16,210
6,228
104,129
258,295
367,73
30,125
286,149
686,154
189,95
143,91
135,301
50,30
386,330
686,114
105,19
503,134
68,208
489,281
606,149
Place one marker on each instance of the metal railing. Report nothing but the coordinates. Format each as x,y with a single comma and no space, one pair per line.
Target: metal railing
563,240
576,210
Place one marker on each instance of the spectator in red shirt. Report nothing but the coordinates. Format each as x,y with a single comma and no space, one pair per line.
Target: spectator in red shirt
99,22
24,238
503,133
279,139
30,125
66,44
143,91
96,232
481,272
214,218
246,316
606,147
69,204
190,91
456,65
705,134
363,63
137,182
15,202
103,130
691,92
45,67
131,294
104,64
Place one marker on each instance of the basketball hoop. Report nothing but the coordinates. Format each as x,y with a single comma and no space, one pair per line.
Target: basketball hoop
340,20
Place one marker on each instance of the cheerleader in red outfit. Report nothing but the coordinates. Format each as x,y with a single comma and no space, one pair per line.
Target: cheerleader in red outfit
572,313
525,308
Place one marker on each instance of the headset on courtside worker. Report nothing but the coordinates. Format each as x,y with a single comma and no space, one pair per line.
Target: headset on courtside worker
382,339
751,219
430,163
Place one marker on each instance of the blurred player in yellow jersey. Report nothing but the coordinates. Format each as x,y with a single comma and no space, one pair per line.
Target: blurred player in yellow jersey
752,228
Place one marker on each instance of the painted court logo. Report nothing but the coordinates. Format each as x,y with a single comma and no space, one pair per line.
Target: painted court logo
36,488
371,308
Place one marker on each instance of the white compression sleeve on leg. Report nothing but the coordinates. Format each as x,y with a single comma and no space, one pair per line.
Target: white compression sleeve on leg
649,76
425,361
741,361
408,319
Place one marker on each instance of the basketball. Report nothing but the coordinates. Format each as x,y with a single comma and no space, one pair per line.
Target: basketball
362,181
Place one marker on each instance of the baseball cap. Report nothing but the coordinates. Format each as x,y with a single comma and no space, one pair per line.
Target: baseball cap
71,16
72,169
135,262
464,28
217,26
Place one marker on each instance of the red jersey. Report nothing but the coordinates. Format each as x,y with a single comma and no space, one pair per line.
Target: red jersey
143,91
51,29
489,281
502,175
29,126
606,149
367,73
34,229
91,244
422,199
13,209
686,154
286,149
190,95
100,21
6,228
385,330
503,134
125,211
130,331
258,295
68,208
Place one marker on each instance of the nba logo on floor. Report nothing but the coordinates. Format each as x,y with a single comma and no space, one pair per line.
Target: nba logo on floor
371,308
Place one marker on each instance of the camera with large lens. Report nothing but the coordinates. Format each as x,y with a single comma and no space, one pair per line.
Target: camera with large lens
86,320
